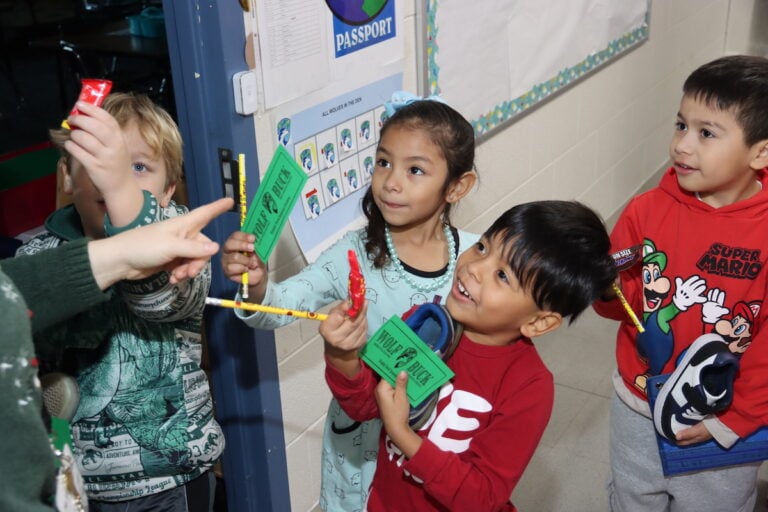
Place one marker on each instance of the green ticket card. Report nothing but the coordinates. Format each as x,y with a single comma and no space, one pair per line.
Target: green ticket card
60,435
395,348
275,198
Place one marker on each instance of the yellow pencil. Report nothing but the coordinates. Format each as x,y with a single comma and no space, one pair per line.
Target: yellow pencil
628,308
243,211
236,304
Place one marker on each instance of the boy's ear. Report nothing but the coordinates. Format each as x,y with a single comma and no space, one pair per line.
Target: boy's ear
64,176
461,187
167,195
542,323
760,160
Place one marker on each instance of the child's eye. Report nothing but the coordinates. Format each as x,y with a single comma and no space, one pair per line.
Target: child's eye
680,126
381,162
707,134
416,171
501,274
480,247
139,167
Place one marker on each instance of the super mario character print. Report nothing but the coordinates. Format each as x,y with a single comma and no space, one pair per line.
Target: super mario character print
736,323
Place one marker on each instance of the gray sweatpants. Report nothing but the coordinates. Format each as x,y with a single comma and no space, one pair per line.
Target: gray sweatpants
637,483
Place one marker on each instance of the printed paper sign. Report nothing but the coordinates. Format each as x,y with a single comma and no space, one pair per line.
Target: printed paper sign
395,348
275,198
358,25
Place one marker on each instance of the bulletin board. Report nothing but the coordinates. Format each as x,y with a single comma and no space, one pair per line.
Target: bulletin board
326,69
515,54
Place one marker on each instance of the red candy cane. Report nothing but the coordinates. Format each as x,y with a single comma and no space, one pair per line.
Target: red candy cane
356,285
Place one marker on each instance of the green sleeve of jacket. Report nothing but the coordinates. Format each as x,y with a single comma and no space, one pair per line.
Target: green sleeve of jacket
56,284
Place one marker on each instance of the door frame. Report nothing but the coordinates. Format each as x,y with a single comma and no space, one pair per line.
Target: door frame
206,42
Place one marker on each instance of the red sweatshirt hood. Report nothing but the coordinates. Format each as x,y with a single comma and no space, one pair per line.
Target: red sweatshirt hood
756,204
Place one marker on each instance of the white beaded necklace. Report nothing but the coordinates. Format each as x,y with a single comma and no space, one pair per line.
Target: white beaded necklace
436,283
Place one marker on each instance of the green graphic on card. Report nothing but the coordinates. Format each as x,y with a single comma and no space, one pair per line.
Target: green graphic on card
395,348
275,198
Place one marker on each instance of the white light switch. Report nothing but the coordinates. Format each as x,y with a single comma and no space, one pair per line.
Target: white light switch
246,95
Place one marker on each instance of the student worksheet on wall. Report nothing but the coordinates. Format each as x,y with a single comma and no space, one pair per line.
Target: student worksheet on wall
294,56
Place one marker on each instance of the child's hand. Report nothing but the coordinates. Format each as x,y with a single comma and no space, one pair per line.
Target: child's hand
96,141
394,409
610,293
393,402
693,435
344,336
238,257
343,333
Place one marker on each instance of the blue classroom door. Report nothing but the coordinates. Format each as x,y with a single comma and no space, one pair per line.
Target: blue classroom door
205,44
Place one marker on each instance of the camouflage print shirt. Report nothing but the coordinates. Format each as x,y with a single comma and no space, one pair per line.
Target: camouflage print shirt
145,420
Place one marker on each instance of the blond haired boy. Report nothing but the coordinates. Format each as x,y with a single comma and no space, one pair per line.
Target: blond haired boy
144,429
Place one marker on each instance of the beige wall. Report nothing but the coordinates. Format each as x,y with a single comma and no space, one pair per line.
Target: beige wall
598,142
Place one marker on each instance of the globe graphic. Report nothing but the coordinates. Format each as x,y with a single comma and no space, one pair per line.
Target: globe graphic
356,12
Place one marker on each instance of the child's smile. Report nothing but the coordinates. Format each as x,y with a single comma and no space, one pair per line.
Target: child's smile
486,296
462,290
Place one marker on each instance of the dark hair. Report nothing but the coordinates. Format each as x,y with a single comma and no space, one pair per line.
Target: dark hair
737,83
559,251
450,132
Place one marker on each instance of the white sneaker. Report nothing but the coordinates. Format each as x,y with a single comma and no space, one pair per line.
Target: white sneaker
702,384
434,325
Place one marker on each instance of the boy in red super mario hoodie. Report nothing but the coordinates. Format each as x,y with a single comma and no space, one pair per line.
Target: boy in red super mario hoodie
703,233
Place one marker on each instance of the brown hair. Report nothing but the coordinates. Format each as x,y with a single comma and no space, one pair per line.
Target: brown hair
450,132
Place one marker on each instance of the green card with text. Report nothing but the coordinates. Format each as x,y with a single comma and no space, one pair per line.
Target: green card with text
275,198
395,348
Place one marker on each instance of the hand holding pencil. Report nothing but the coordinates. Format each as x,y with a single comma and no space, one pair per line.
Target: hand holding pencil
238,257
356,298
630,312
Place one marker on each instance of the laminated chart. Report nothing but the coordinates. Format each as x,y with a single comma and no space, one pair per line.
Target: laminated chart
338,160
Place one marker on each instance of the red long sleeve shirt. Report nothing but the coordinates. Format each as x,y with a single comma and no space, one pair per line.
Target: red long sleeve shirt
488,422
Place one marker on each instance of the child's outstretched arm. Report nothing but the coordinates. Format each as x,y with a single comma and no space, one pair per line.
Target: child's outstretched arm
344,336
238,257
96,141
351,381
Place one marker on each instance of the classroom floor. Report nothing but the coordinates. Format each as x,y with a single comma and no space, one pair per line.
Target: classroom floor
571,465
